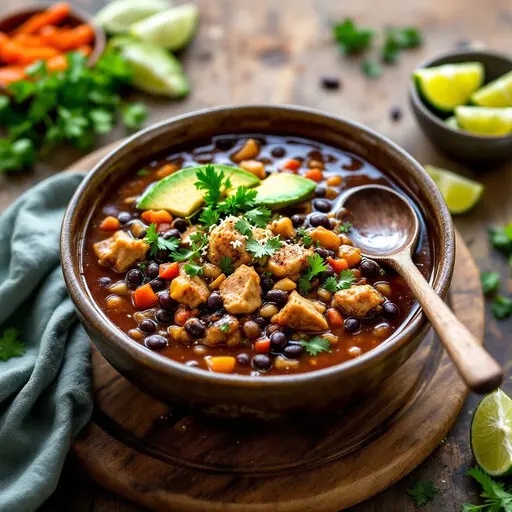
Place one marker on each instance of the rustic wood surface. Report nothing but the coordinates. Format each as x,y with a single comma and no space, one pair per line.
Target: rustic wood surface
267,51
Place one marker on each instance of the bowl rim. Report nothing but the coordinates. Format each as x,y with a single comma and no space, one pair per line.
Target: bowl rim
434,60
155,362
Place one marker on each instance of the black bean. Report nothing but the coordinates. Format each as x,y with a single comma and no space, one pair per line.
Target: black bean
162,316
162,255
325,274
262,322
104,282
110,210
278,340
320,191
271,329
294,350
324,253
165,301
195,327
322,205
124,217
225,144
396,114
252,330
390,309
352,324
267,283
152,270
369,268
320,219
141,234
172,233
331,83
297,220
147,325
278,152
157,284
134,278
214,302
180,224
242,358
155,342
280,297
261,362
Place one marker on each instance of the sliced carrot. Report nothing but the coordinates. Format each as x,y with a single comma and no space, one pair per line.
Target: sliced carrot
28,40
66,39
157,216
221,364
262,346
10,74
52,16
314,174
334,318
337,264
292,165
144,297
169,271
16,54
181,316
58,63
166,170
110,224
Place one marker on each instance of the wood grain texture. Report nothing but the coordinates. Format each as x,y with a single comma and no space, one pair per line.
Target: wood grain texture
250,51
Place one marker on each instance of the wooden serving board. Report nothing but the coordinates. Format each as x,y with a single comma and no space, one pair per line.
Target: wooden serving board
167,459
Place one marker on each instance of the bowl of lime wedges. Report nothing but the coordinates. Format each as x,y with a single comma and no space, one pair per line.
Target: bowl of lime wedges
462,100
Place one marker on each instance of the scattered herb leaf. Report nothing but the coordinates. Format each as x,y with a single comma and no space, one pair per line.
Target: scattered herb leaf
226,265
496,497
198,241
501,307
316,265
501,239
209,216
259,250
259,216
398,39
134,114
243,227
352,39
345,227
156,242
490,282
306,237
10,345
193,270
243,199
371,68
422,492
316,345
345,281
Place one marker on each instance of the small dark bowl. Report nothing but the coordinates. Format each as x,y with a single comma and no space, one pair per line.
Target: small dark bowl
76,16
459,144
241,394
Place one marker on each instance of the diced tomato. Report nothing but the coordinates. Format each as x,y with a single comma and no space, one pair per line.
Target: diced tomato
262,346
338,264
181,316
110,224
314,174
144,297
169,271
292,165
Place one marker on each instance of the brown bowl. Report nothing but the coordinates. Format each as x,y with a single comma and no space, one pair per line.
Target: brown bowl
76,17
233,394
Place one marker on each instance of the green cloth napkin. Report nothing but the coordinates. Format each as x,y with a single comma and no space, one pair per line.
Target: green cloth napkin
45,394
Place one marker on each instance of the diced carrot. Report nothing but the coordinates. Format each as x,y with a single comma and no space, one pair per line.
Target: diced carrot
58,63
144,297
169,271
292,165
10,74
334,318
157,216
52,16
337,264
16,54
66,39
351,254
181,316
221,364
28,40
110,224
314,174
166,170
262,346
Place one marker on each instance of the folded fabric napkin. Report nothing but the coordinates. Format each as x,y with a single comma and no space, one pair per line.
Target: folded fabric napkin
45,393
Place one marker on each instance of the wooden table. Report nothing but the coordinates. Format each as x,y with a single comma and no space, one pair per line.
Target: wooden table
265,51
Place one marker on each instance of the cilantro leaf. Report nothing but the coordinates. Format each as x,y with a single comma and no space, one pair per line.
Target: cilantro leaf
345,227
501,307
422,492
371,68
259,216
243,227
209,216
156,242
307,240
490,282
193,270
198,241
347,277
316,265
10,345
242,199
352,39
102,120
226,265
16,155
316,345
495,495
501,239
331,284
210,180
398,39
259,250
134,114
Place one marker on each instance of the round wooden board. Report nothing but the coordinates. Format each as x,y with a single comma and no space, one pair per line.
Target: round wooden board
167,459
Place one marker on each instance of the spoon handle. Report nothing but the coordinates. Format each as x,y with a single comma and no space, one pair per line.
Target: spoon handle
475,365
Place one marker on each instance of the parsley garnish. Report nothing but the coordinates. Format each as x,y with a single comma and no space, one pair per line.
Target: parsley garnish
157,242
316,265
209,216
501,307
258,217
352,39
193,270
241,200
496,497
398,39
345,227
490,282
212,181
371,68
422,492
243,227
10,345
259,250
316,345
226,265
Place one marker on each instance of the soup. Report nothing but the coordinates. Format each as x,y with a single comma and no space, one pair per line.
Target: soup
234,256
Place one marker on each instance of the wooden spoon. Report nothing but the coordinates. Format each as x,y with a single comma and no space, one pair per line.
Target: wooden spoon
386,228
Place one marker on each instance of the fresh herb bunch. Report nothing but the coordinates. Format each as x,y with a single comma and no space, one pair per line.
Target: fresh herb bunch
10,345
73,105
496,497
422,492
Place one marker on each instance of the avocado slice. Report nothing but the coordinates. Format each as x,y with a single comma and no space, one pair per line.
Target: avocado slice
283,189
177,193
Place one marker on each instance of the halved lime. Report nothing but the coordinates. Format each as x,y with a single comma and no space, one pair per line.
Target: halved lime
173,29
491,433
497,93
460,193
451,122
155,70
447,86
485,120
117,17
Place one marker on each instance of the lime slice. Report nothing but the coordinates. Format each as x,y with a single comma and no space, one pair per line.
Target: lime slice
117,17
460,193
155,70
485,120
451,122
491,433
497,93
173,29
447,86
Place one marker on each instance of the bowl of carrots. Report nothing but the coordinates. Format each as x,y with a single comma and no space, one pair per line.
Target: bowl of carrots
46,33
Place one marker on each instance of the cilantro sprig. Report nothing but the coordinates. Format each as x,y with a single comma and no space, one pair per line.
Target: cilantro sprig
307,240
156,242
345,281
316,265
198,241
193,270
502,308
352,39
422,492
226,265
213,182
261,250
490,282
496,497
316,345
501,239
10,345
398,39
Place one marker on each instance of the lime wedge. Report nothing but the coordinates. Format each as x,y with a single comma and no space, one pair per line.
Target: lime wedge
485,120
117,17
451,122
155,70
491,433
460,193
173,29
497,93
447,86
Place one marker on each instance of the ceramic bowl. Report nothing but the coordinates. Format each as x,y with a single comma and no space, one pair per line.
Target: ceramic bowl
459,144
267,396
